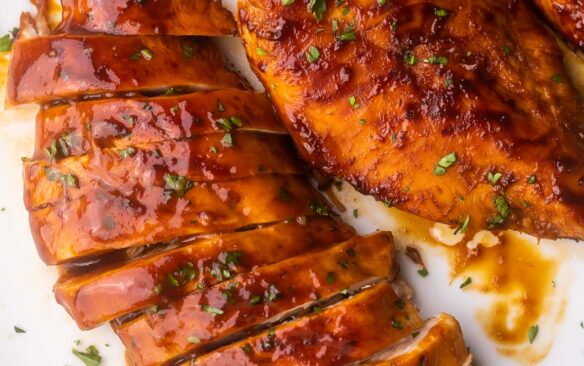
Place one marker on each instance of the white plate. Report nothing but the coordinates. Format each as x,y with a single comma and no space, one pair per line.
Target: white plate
26,298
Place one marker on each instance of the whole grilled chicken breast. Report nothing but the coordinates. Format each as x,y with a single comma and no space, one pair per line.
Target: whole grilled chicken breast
457,111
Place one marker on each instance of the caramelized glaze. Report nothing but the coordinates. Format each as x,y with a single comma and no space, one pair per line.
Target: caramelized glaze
438,343
125,122
49,68
130,17
105,220
88,297
415,81
567,17
346,332
139,167
253,297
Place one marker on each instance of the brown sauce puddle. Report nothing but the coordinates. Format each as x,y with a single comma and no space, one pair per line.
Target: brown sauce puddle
515,271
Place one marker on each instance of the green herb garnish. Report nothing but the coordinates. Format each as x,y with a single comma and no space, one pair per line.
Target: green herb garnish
532,333
211,310
90,357
312,54
462,228
177,183
466,282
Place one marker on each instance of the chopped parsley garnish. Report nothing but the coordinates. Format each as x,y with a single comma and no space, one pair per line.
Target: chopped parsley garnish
233,257
177,183
287,2
381,2
211,310
356,213
423,272
146,54
441,12
90,357
256,299
409,58
556,78
532,333
361,121
348,34
246,347
415,334
187,51
502,208
172,280
312,54
353,102
462,228
439,60
70,180
227,140
271,293
393,25
345,10
260,51
7,39
445,162
466,282
397,324
318,207
19,330
317,7
532,179
330,278
220,106
127,152
494,178
447,82
193,340
157,289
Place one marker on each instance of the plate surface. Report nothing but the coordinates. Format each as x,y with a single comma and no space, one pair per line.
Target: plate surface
548,276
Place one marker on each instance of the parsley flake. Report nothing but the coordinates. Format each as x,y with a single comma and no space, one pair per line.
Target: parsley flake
532,333
90,357
466,282
462,228
312,54
211,310
494,178
440,12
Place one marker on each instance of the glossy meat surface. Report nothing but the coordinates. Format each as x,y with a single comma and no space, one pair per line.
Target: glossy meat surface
48,68
417,102
125,122
438,343
106,219
252,298
139,167
130,17
149,281
348,331
567,17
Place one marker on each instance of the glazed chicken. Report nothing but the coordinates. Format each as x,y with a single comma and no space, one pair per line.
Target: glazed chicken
457,111
172,200
567,17
129,17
